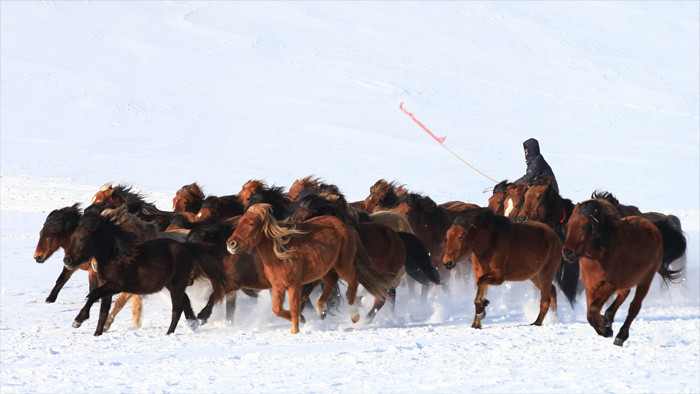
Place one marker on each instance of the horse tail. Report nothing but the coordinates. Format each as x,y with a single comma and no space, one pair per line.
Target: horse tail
213,271
674,246
417,263
567,279
368,276
251,293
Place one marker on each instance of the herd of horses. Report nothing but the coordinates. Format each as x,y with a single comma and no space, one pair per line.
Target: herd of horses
309,236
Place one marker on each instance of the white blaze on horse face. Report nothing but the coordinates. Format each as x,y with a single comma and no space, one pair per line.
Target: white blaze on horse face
509,207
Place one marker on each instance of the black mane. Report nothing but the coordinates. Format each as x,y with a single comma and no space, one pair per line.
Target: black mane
625,210
501,187
111,240
603,226
275,197
480,216
424,204
64,219
136,201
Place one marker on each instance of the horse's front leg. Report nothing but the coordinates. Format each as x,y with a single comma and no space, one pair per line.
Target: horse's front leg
635,305
329,282
205,313
295,306
60,282
600,293
231,306
494,277
84,313
104,311
609,316
277,304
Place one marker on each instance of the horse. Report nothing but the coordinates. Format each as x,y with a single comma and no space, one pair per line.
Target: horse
387,249
310,182
505,251
383,196
631,210
220,207
55,234
188,199
282,207
126,265
319,248
544,204
249,188
514,200
498,197
393,220
617,253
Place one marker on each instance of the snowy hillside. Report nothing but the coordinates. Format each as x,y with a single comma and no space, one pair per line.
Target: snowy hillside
160,94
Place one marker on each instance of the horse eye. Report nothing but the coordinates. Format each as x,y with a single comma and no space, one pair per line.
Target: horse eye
461,236
49,236
539,198
252,224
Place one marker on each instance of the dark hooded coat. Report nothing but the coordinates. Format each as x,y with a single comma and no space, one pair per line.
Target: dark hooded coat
536,164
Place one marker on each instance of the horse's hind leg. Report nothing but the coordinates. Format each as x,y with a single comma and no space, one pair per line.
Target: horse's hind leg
609,316
635,305
352,297
205,313
189,313
295,306
104,311
545,299
60,282
277,304
378,304
136,310
118,306
177,299
329,281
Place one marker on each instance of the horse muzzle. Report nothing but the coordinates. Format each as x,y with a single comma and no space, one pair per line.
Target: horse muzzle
233,247
39,259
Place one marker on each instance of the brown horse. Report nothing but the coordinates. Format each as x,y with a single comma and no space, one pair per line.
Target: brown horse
498,197
514,200
311,182
544,204
393,220
617,254
126,265
56,233
116,196
320,248
223,207
383,196
249,188
389,251
188,199
505,251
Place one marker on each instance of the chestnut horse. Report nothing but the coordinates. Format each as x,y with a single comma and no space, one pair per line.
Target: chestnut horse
389,251
188,199
300,185
55,233
617,254
249,188
498,197
505,251
126,265
383,196
544,204
514,200
320,248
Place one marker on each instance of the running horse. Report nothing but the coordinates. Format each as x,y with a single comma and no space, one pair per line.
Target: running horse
505,251
617,253
498,197
188,199
116,196
249,188
320,248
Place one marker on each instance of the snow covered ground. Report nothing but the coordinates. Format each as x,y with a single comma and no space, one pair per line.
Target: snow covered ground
160,94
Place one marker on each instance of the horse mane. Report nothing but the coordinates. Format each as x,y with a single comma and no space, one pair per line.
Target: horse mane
501,187
273,196
603,216
136,200
424,204
279,232
214,201
122,217
624,210
393,190
194,190
63,219
480,216
117,242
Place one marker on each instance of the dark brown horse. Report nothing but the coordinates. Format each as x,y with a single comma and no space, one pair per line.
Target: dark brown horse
383,196
116,196
311,183
389,251
249,188
125,265
505,251
223,207
617,254
498,197
282,207
544,204
188,199
320,248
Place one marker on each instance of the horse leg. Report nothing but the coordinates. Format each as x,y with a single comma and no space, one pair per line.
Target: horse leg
378,304
93,280
352,308
205,313
480,303
118,305
106,302
136,310
329,282
177,296
62,279
601,294
545,299
84,313
391,296
295,306
553,299
609,315
277,307
189,313
635,305
231,306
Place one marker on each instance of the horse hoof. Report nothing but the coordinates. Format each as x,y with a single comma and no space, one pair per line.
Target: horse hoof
50,300
204,321
476,325
536,324
97,333
355,319
608,332
485,303
618,342
194,324
76,324
323,315
481,315
302,319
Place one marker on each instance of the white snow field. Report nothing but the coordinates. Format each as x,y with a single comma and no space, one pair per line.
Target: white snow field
160,94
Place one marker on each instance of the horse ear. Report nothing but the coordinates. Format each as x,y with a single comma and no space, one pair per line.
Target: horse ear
106,186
